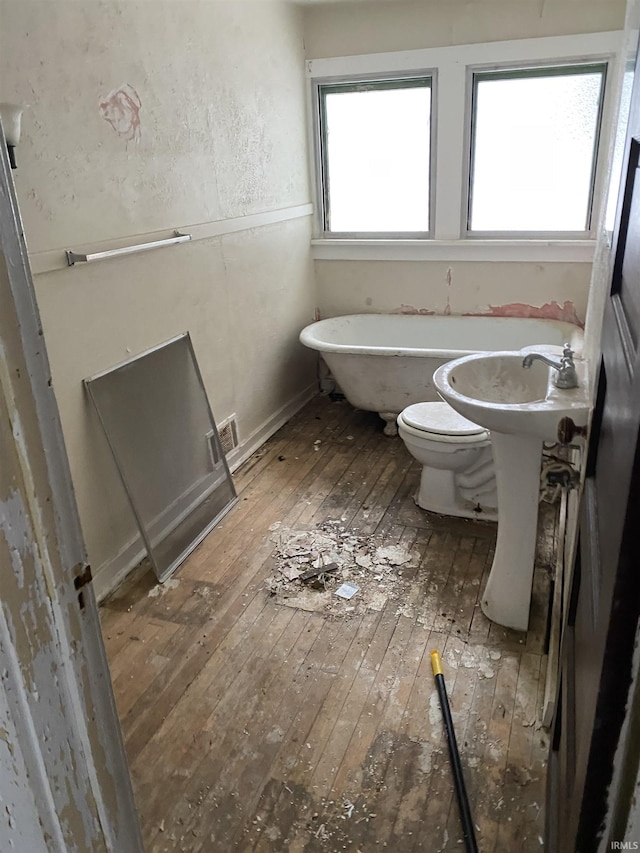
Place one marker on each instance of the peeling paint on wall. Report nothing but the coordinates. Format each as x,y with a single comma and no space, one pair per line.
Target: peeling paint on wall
549,311
121,109
447,308
558,290
410,309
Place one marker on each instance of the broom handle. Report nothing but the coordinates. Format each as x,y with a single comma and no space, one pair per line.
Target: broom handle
461,791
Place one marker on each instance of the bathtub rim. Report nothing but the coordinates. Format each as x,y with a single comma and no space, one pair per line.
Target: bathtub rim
309,338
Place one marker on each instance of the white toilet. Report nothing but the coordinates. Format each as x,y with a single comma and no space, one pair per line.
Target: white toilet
458,476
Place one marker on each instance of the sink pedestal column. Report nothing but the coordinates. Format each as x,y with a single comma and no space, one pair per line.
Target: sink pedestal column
507,596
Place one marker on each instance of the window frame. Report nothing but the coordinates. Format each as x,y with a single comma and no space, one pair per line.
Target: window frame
405,79
450,67
519,71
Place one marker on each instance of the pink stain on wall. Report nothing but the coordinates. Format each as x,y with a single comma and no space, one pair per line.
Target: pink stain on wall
121,109
549,311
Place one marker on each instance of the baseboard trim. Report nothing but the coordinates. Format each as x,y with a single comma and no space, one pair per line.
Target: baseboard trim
111,573
258,437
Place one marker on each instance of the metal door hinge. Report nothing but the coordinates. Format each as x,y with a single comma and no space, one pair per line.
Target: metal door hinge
82,580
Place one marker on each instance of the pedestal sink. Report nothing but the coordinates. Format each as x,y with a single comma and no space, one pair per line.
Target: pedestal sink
522,408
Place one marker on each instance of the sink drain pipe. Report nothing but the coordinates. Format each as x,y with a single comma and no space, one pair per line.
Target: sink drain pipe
458,778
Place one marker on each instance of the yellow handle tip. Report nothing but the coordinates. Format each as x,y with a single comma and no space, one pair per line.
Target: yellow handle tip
436,663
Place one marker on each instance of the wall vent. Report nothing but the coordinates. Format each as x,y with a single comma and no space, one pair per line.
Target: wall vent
228,432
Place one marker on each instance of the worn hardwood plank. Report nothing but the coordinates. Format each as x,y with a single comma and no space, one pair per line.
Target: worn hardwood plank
207,702
423,737
136,670
252,725
292,765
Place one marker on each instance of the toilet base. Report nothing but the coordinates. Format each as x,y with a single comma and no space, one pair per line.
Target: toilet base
438,493
477,512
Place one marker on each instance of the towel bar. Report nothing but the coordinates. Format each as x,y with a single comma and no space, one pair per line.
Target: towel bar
74,257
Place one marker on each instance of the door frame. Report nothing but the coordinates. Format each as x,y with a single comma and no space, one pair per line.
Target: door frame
57,695
606,807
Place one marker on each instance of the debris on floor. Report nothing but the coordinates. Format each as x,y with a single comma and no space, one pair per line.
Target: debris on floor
163,588
336,571
347,590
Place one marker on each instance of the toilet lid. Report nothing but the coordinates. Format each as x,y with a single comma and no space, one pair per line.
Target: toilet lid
440,419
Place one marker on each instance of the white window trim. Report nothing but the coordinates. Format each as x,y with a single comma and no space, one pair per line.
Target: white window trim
317,84
452,65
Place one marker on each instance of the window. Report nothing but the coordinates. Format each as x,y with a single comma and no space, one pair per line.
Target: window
534,137
466,152
618,148
375,139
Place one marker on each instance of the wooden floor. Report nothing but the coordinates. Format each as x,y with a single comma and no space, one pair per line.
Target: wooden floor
252,725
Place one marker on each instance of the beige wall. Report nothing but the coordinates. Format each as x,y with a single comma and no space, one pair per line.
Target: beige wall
221,135
344,29
556,290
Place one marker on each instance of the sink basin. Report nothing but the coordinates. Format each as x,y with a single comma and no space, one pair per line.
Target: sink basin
497,392
522,408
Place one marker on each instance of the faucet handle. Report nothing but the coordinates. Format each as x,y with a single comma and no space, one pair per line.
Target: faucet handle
567,352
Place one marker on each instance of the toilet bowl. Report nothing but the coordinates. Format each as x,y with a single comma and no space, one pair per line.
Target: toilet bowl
458,476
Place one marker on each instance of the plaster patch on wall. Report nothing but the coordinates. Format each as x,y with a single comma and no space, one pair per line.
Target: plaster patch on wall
549,311
447,309
410,309
121,109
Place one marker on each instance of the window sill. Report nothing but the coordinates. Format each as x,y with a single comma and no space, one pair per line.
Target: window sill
523,251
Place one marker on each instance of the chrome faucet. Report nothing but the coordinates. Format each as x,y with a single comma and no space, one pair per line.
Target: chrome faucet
566,376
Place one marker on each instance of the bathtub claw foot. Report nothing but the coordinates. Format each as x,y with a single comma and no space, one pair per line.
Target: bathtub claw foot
391,425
